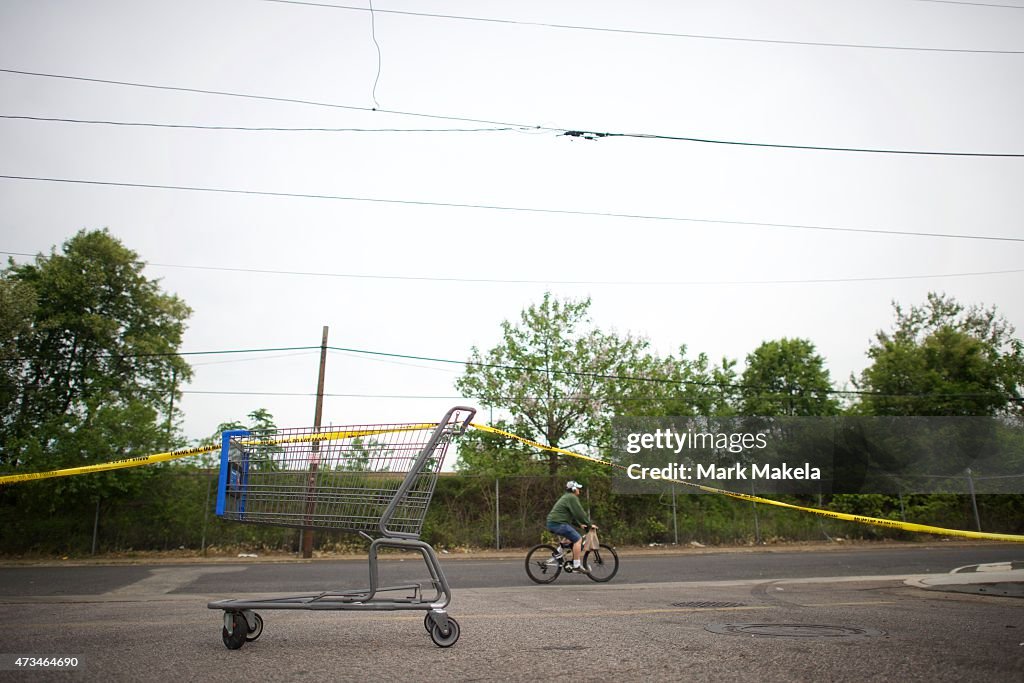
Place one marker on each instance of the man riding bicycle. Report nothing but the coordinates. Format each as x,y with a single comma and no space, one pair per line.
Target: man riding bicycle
566,512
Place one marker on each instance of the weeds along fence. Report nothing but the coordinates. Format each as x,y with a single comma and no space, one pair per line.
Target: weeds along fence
173,509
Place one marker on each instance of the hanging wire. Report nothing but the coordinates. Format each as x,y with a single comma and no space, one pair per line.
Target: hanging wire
373,34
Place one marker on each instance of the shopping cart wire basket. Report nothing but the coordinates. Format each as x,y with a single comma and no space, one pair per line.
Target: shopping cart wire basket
373,480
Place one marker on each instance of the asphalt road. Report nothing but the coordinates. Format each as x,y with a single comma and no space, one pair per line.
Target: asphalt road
838,615
250,576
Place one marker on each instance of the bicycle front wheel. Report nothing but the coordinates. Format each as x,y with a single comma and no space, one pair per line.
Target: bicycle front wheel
541,566
602,563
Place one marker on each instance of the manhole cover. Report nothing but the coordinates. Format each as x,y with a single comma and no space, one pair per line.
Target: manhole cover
793,630
707,604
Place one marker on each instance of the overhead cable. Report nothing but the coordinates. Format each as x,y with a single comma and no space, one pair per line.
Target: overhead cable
609,283
974,4
523,368
638,32
513,209
273,129
572,132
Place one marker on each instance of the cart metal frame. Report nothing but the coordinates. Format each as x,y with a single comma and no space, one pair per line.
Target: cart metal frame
330,478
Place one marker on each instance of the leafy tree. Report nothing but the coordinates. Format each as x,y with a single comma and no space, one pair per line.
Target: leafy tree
554,372
263,428
942,358
17,307
786,377
261,422
680,386
496,455
92,365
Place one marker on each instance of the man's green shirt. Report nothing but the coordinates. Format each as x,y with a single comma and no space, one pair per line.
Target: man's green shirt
567,510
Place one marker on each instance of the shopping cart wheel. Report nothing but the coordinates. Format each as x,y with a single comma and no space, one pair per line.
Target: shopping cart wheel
258,631
445,639
239,631
427,623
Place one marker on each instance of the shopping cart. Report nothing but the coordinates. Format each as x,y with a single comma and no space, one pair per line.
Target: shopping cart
373,480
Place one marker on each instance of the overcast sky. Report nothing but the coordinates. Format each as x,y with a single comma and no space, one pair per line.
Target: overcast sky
721,276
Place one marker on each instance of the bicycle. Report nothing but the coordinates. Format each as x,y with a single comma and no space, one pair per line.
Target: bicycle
542,565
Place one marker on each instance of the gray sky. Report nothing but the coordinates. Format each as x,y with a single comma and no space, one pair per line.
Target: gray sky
965,96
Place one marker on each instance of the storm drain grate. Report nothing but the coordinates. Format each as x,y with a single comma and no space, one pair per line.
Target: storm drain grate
707,604
793,630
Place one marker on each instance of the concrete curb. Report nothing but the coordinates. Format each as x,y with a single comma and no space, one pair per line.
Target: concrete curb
1003,579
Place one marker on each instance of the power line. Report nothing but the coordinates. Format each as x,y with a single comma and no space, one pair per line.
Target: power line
373,34
586,134
819,148
303,394
610,283
570,373
614,283
167,354
661,380
512,209
638,32
975,4
250,360
307,394
398,362
592,283
569,399
615,399
250,96
275,129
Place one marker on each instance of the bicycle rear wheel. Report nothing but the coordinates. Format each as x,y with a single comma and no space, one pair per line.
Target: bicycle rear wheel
602,563
539,565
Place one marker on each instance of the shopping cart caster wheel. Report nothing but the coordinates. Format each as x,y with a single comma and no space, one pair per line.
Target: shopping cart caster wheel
427,623
239,632
257,632
442,638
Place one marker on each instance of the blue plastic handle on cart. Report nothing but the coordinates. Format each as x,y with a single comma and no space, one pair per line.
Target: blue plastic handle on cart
222,485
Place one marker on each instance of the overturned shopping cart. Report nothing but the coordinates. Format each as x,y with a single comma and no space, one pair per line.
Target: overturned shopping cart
373,480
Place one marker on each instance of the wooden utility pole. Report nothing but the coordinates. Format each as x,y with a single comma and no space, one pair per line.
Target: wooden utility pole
307,536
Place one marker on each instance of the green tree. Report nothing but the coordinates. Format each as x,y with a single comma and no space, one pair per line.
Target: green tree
90,361
264,430
261,423
680,386
17,308
554,372
786,377
945,359
496,455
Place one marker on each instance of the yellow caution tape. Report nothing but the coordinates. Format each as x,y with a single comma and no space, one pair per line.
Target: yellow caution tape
117,464
348,434
209,448
329,436
860,519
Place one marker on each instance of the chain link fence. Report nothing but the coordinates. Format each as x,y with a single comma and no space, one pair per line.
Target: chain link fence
176,513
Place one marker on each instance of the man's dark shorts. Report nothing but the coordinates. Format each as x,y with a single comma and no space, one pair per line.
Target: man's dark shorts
563,529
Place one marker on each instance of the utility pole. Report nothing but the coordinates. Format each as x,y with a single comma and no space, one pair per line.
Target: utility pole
307,536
